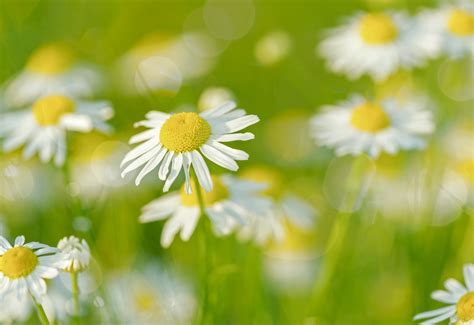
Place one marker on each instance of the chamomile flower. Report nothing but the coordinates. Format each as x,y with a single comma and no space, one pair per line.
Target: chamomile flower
448,30
178,141
76,253
376,44
52,69
24,267
460,299
42,128
286,208
214,96
161,63
228,206
359,126
154,296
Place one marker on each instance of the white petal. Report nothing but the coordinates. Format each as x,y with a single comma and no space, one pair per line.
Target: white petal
202,171
219,158
175,169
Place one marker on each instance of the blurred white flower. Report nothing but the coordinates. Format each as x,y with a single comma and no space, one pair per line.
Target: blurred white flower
448,30
228,206
156,296
43,127
214,96
52,69
160,63
291,264
377,44
273,47
460,299
76,254
285,208
95,165
15,309
24,267
359,126
174,141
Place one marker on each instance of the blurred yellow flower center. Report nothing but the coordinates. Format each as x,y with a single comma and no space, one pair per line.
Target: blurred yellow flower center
465,307
466,169
219,193
51,59
145,301
377,29
18,262
48,110
269,176
184,132
369,117
461,23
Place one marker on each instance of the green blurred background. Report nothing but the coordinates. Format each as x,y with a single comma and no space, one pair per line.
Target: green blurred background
388,266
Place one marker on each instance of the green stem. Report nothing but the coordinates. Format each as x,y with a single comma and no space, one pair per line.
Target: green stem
75,293
205,247
41,313
339,231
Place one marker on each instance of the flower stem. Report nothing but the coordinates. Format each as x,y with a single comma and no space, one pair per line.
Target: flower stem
205,247
351,202
75,294
41,313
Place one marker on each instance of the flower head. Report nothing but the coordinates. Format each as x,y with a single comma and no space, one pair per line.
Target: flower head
376,44
76,254
228,206
43,127
176,141
23,267
448,30
460,299
363,126
52,69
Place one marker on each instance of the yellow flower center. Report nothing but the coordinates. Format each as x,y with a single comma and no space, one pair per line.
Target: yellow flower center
145,301
466,169
48,110
51,59
184,132
219,193
461,23
465,307
269,176
369,117
18,262
377,29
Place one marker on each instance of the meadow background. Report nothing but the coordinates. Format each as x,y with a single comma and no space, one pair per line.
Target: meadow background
390,261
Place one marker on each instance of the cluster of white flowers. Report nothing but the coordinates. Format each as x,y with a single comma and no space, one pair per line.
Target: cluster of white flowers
24,267
380,43
46,100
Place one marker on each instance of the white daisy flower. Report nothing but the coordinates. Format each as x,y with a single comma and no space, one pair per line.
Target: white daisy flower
360,126
273,47
155,296
228,206
24,267
176,141
161,63
43,127
52,69
76,253
376,44
460,299
285,208
448,30
214,96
